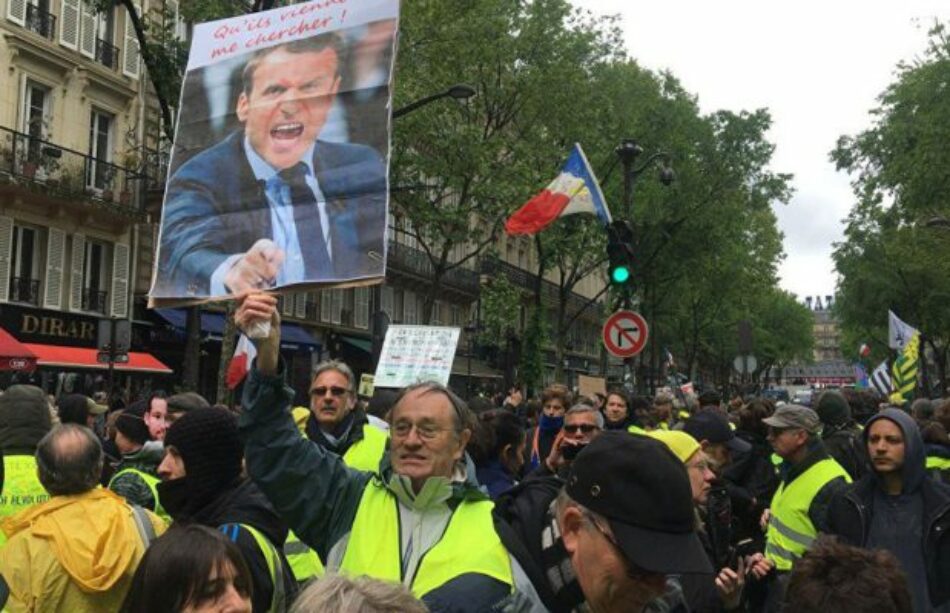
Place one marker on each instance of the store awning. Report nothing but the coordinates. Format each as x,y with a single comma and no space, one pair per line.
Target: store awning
14,355
83,357
213,324
479,369
360,343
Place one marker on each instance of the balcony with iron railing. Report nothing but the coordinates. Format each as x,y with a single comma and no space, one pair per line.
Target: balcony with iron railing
526,280
25,289
107,54
68,174
40,21
94,300
409,260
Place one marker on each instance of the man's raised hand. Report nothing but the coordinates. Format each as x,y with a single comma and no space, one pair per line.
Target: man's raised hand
256,269
253,309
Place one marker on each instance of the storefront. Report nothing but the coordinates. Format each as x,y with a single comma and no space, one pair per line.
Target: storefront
66,355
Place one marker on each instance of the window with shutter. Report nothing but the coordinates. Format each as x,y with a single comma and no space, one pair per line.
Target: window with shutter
120,280
325,306
300,305
409,308
69,24
132,57
55,256
77,259
336,312
287,304
88,29
361,308
6,247
16,11
386,301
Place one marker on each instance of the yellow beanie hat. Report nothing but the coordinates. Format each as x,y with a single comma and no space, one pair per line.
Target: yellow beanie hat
681,444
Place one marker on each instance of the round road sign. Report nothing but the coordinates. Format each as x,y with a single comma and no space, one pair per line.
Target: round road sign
625,334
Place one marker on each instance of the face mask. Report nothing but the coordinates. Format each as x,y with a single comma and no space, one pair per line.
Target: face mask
550,423
174,496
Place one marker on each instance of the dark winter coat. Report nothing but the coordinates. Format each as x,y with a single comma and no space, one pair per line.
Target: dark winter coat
852,510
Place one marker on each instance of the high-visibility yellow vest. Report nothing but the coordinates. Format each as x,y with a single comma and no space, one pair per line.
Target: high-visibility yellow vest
304,562
937,463
363,455
634,429
152,482
468,545
21,487
278,601
791,532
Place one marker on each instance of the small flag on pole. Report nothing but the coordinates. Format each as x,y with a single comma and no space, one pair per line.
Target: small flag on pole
244,354
881,379
860,376
575,190
898,332
904,370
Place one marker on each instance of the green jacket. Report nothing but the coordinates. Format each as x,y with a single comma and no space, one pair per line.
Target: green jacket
129,485
318,495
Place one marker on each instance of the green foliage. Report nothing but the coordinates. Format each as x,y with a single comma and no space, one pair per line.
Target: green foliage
500,308
531,367
890,259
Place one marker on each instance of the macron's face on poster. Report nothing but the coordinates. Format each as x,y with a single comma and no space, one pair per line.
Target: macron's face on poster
288,104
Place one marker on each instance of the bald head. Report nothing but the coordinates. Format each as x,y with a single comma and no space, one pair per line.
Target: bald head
69,460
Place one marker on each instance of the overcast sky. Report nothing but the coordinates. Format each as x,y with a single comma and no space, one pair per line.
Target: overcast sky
817,65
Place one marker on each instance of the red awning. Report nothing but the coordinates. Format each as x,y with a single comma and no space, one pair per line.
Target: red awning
14,355
82,357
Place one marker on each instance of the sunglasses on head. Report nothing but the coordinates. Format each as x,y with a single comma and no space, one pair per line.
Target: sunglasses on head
575,428
322,391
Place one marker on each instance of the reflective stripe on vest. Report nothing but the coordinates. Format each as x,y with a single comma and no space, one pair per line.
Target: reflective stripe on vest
468,545
278,601
21,488
152,482
938,463
791,532
366,453
304,562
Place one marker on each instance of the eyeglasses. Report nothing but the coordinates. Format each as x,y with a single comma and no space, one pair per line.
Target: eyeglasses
427,432
575,428
322,391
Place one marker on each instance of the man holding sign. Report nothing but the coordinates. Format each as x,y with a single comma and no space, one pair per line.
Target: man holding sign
419,519
271,205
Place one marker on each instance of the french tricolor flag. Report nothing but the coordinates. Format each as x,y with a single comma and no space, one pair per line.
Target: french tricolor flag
575,190
244,354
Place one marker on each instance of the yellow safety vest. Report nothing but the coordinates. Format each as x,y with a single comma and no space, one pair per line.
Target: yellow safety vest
152,482
21,488
278,601
791,532
938,463
633,429
363,455
469,544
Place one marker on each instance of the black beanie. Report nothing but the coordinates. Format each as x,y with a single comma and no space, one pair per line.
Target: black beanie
131,423
833,408
208,443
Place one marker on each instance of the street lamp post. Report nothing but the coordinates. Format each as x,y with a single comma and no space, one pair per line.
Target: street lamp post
628,152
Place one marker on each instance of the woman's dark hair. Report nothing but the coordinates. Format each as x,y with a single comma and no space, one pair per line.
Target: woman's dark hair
751,416
72,409
496,429
177,567
156,394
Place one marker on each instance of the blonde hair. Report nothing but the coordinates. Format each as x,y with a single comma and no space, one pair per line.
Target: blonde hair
338,594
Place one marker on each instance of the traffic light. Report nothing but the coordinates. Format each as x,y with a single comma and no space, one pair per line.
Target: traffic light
620,254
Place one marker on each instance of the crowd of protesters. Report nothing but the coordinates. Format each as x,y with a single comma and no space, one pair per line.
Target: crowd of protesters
420,501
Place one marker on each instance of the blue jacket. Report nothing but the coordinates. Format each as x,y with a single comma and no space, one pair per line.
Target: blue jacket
215,207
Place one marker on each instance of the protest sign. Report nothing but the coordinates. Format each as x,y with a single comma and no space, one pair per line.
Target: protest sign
416,353
588,386
278,176
366,386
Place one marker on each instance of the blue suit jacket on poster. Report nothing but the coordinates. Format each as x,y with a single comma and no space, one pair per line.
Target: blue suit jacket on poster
215,207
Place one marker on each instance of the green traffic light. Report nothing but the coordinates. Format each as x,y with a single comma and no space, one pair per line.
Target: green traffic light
620,274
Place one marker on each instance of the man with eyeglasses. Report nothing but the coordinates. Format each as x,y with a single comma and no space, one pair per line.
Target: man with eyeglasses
810,479
336,423
582,423
418,519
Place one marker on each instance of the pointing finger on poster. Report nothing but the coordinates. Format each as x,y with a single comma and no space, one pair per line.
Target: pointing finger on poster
256,269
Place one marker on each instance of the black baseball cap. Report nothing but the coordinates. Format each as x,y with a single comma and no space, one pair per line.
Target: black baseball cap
643,491
713,427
